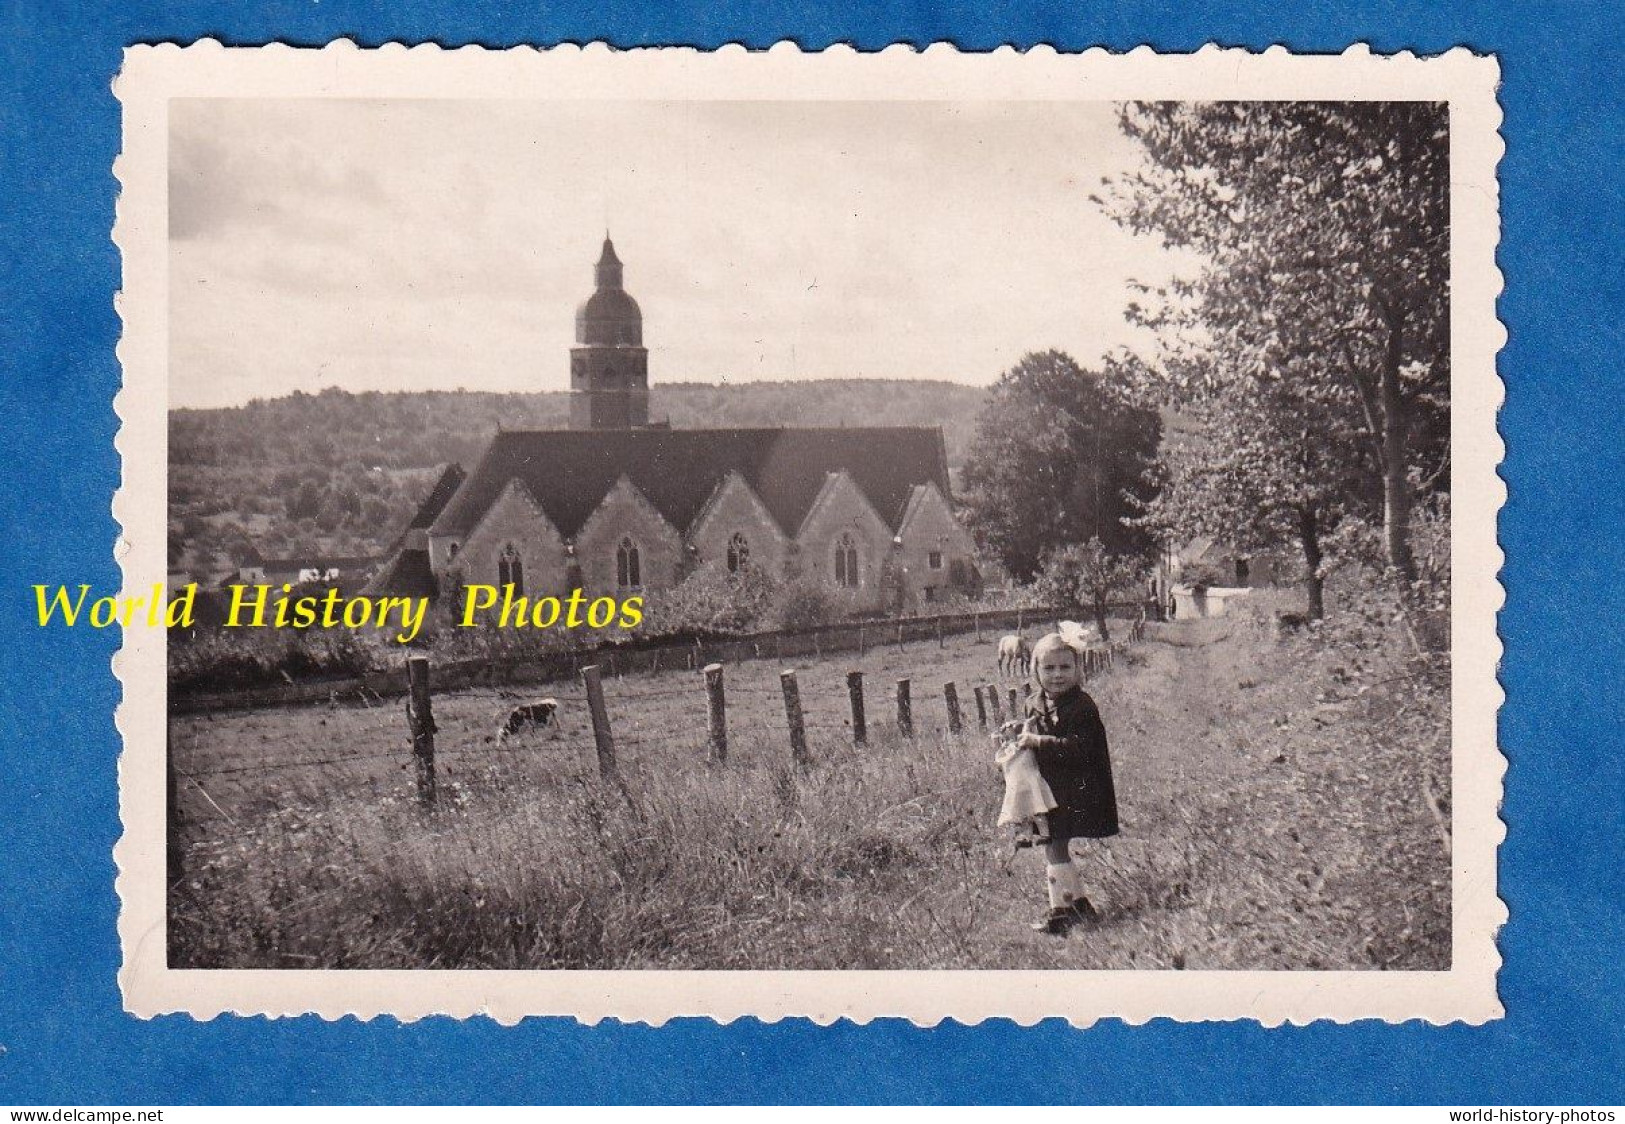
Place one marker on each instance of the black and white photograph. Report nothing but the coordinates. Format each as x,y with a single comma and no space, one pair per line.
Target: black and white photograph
819,533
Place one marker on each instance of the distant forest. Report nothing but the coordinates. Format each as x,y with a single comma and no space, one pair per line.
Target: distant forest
337,473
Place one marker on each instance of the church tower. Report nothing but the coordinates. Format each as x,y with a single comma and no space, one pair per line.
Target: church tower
609,366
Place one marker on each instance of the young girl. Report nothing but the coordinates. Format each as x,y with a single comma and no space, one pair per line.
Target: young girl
1064,732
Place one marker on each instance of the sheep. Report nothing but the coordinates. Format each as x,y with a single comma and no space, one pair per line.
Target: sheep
1015,655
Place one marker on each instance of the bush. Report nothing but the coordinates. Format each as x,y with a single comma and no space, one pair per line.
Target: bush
803,604
243,659
486,640
1204,575
711,600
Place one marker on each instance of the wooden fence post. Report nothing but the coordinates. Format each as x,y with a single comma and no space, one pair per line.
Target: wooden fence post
601,736
420,717
1015,704
854,691
981,710
792,714
899,636
717,708
950,695
1018,620
939,631
993,701
905,710
863,644
976,624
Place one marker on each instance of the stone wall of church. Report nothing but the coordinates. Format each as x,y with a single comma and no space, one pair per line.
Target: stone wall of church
932,535
845,512
513,519
625,514
737,511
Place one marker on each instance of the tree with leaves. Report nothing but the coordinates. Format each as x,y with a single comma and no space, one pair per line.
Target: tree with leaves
1254,474
1090,574
1322,306
1061,457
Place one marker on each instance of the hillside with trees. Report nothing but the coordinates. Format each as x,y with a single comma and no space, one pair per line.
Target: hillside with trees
338,473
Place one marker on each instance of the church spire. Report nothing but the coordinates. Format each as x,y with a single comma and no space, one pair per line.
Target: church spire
607,273
609,366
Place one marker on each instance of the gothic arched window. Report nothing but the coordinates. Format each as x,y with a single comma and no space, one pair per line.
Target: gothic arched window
846,562
511,570
738,553
628,566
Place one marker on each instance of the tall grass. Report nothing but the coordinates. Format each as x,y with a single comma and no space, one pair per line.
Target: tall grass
1285,803
696,868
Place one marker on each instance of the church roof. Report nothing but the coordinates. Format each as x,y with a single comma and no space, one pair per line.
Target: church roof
407,574
570,471
435,502
451,478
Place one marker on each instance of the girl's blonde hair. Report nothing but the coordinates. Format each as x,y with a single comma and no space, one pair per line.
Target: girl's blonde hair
1048,644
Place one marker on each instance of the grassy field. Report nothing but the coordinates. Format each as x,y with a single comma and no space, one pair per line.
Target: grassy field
1285,805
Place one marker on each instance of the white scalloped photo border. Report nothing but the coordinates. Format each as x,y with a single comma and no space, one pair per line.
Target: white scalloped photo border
1466,992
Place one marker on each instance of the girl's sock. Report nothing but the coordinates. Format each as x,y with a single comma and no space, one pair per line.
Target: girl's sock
1063,881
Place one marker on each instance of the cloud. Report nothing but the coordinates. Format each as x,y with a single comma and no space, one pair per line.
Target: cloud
388,244
261,171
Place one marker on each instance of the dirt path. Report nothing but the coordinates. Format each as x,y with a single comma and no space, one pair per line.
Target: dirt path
1253,832
1171,752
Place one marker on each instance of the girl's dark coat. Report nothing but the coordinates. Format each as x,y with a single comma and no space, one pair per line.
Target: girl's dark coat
1074,762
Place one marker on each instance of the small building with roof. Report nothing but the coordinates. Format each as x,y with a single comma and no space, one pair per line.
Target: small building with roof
1201,577
616,505
347,571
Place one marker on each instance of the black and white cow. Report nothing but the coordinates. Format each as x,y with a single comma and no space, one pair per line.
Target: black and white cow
539,713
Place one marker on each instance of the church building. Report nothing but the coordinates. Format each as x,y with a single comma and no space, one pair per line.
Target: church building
617,505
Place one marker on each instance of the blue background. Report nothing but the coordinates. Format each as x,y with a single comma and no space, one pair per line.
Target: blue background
63,1036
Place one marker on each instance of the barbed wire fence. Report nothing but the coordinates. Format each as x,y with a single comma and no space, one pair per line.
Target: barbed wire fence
706,720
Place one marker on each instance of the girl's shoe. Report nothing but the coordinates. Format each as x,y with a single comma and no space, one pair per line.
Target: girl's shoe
1056,922
1060,919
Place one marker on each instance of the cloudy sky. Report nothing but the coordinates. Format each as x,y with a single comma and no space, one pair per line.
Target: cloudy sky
415,245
